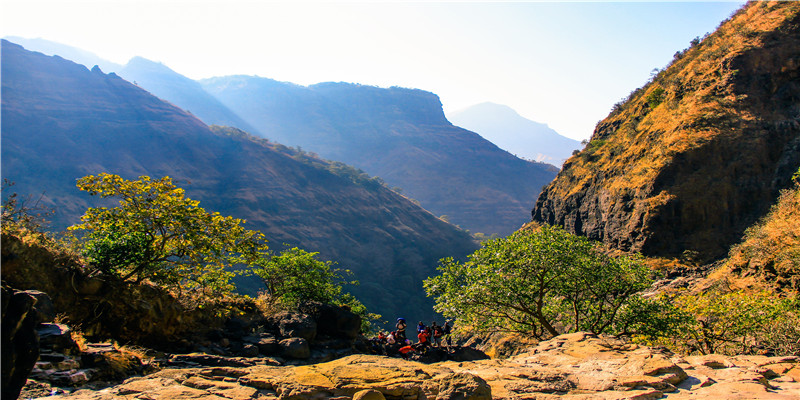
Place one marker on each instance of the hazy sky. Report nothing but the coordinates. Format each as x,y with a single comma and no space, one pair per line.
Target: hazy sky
564,64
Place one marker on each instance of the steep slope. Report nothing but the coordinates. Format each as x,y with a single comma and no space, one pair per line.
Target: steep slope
61,121
74,54
154,77
510,131
185,93
400,135
699,154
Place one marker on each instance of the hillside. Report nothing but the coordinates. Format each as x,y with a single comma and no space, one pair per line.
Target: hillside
690,160
400,135
510,131
61,121
154,77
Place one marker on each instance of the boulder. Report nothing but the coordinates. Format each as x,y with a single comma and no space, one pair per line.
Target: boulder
20,342
369,394
463,386
56,337
297,325
295,348
268,345
45,310
333,321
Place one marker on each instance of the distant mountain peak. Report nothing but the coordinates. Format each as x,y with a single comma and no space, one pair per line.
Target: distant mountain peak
505,127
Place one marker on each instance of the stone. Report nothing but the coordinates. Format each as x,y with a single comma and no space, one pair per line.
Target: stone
249,350
463,386
45,310
268,346
295,348
56,337
20,342
368,394
297,325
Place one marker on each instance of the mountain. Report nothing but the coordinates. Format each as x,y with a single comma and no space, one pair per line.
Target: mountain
699,154
154,77
61,121
74,54
185,93
400,135
510,131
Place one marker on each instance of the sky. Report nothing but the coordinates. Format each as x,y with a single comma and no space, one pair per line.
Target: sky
564,64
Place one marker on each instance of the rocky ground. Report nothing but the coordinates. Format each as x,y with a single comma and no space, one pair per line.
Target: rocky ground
575,366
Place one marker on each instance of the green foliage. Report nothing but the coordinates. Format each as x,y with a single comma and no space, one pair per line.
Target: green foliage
18,216
796,177
738,322
158,234
655,97
295,276
543,282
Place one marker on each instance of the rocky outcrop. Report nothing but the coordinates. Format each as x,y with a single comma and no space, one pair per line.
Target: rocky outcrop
572,367
699,154
20,343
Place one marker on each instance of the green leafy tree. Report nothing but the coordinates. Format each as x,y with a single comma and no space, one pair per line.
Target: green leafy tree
156,233
295,276
542,282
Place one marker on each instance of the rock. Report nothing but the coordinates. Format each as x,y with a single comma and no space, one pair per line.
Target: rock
297,325
56,337
466,354
463,386
571,367
333,321
368,394
20,342
45,311
295,348
249,350
268,346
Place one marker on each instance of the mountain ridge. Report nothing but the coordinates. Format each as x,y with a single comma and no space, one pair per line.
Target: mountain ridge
401,135
61,121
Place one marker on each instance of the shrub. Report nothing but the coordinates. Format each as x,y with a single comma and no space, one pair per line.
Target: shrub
543,282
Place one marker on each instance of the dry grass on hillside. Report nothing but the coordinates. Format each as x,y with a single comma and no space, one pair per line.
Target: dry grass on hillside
686,105
770,252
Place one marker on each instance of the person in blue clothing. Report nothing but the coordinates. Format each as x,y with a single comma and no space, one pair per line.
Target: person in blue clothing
420,327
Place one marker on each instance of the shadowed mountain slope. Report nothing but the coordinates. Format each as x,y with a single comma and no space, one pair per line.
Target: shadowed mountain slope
510,131
154,77
697,155
400,135
61,121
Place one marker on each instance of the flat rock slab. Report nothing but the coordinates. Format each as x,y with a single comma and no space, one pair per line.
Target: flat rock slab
578,366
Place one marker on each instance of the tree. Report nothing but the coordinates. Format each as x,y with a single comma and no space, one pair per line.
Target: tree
542,282
295,275
156,233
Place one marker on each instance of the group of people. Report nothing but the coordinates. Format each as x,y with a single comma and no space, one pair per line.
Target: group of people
427,336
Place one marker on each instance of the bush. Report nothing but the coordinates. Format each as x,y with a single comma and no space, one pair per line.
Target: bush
738,322
544,282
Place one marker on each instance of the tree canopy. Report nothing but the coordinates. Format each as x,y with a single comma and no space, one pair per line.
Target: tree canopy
542,282
156,233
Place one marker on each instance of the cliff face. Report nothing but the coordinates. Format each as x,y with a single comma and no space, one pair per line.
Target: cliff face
697,155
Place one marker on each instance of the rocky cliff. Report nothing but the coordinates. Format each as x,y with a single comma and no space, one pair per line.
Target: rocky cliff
690,160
